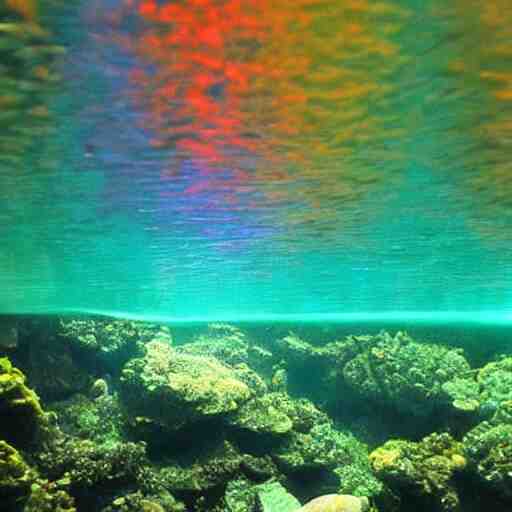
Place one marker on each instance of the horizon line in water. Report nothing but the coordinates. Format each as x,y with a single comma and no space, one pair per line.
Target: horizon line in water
484,317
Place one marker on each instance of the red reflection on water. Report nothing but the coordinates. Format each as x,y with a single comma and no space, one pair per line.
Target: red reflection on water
258,92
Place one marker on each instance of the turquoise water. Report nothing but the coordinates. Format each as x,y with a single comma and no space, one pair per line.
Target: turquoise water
259,161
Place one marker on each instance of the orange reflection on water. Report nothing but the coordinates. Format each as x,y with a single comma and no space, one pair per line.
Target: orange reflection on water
483,68
291,92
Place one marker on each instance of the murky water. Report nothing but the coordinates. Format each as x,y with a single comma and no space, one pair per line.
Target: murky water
247,159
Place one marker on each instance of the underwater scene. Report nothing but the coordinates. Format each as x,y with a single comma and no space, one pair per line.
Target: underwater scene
255,255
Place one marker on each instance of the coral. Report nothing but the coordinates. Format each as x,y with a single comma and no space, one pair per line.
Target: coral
223,342
263,414
424,470
244,496
276,414
87,465
100,420
49,497
298,358
404,374
21,488
231,346
488,448
20,404
200,472
495,380
111,342
463,393
15,476
176,389
138,502
324,448
240,496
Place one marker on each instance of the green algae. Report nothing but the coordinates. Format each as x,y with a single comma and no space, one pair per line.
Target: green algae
20,404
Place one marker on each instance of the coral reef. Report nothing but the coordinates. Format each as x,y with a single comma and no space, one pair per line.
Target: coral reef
423,470
488,448
210,425
176,389
110,342
22,489
404,374
85,464
20,405
137,502
56,372
495,381
15,476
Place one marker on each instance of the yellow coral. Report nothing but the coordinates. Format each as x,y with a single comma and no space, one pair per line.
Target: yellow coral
382,458
458,461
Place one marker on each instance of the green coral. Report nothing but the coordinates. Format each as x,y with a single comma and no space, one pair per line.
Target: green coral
463,393
264,414
488,448
49,496
221,341
199,472
323,448
87,465
138,502
18,403
21,488
240,495
177,389
16,477
111,342
495,380
404,374
100,420
423,470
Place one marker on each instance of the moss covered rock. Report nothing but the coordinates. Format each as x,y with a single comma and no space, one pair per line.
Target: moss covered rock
495,381
488,448
423,470
110,342
177,389
404,374
20,409
16,477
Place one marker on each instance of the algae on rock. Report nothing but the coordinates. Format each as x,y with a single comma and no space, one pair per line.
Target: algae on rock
424,470
20,404
176,389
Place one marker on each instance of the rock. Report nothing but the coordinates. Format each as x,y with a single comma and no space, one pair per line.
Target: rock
177,389
404,374
20,410
273,497
110,343
488,448
336,503
263,415
16,477
422,471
